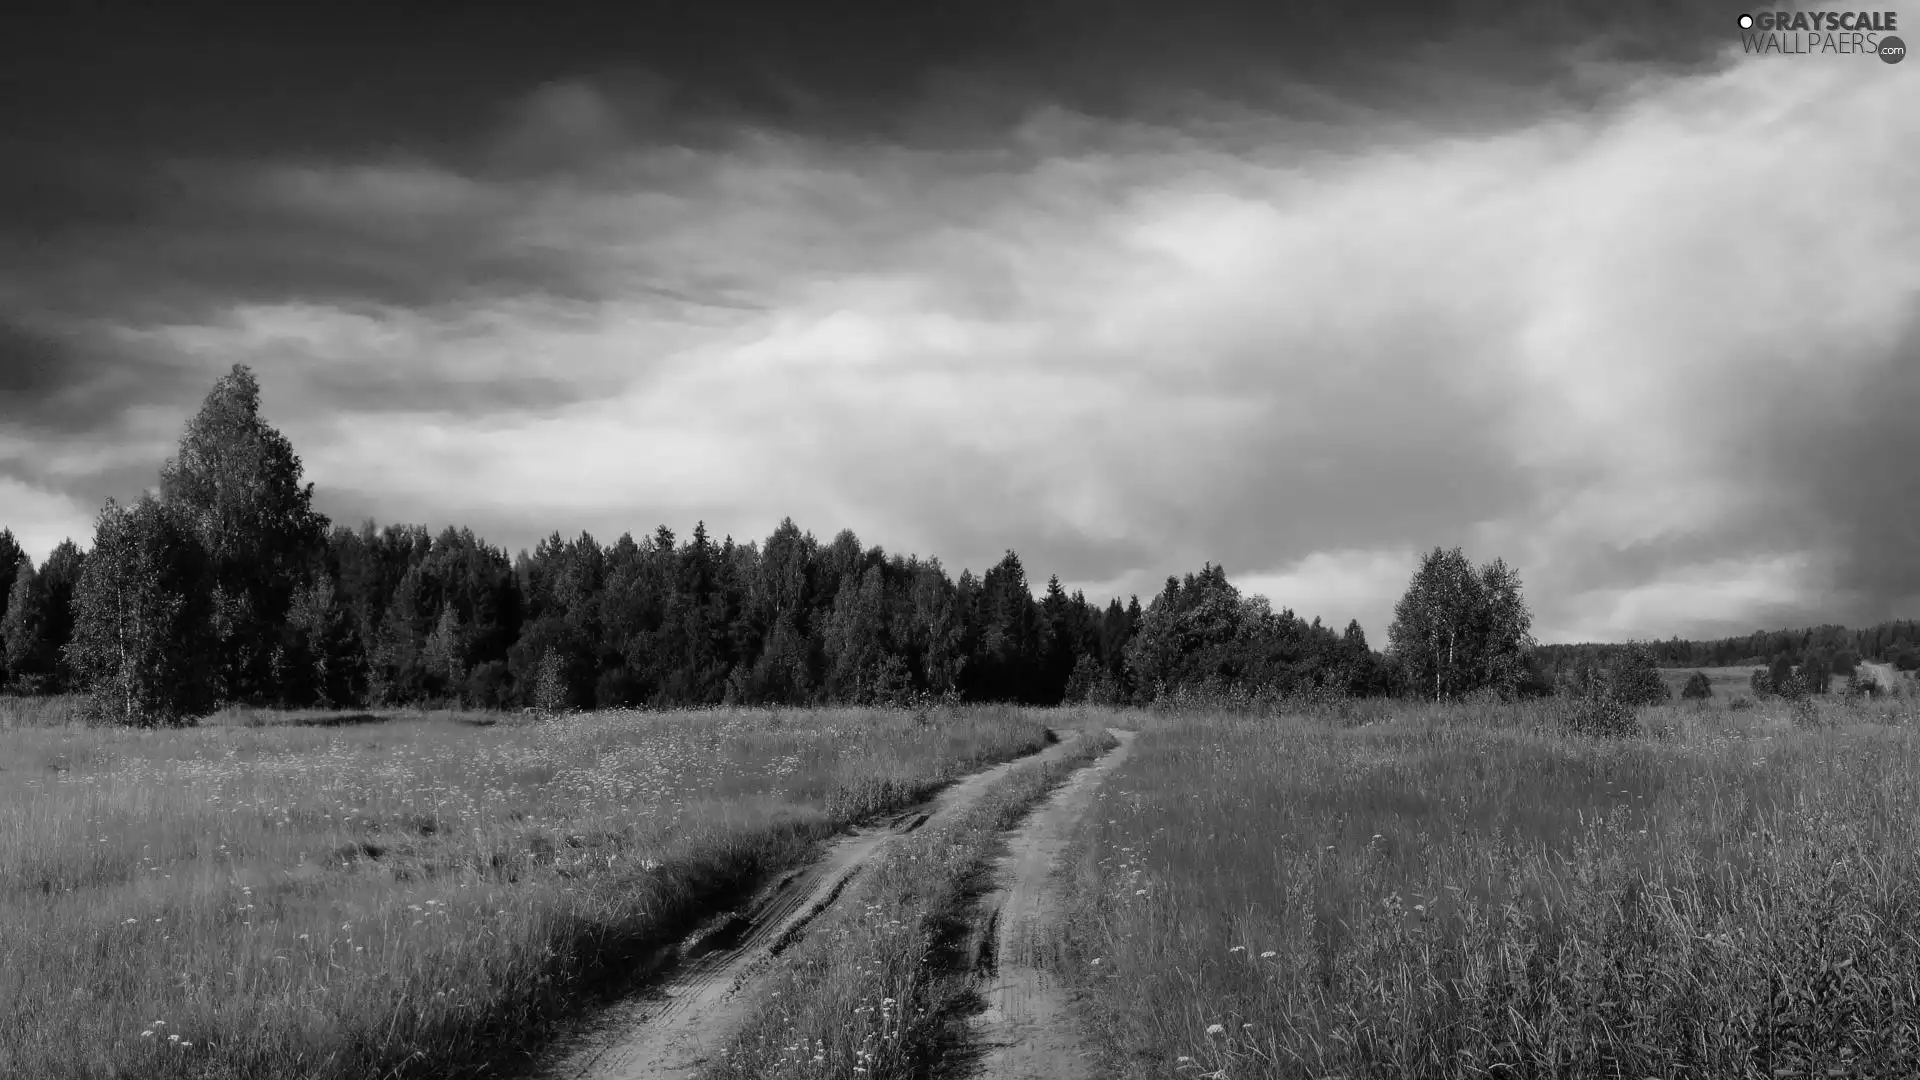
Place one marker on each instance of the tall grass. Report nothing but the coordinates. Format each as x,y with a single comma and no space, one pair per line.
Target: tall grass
1461,892
52,710
404,894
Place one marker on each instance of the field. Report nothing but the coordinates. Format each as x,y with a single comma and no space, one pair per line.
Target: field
1463,892
1388,890
1731,682
1727,682
401,894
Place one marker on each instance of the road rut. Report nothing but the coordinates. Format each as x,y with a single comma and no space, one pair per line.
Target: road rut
672,1030
1025,1030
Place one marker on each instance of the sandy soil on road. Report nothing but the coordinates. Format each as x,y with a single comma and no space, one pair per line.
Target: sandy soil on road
670,1031
1884,674
1026,1030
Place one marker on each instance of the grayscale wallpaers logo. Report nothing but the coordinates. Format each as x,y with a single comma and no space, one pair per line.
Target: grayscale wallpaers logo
1855,33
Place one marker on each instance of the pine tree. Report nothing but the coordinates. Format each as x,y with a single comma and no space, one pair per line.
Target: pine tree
1635,678
1780,678
39,621
323,664
444,654
13,562
23,652
1699,687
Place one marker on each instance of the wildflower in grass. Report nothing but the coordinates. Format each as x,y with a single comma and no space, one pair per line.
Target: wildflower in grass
1237,948
1216,1029
1268,955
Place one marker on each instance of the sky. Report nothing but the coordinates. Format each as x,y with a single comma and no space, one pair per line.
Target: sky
1301,290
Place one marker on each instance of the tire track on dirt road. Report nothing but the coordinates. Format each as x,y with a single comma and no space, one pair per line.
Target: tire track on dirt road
1026,1031
672,1029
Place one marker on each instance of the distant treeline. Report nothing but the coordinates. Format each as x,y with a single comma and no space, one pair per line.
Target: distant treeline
397,615
226,586
1896,643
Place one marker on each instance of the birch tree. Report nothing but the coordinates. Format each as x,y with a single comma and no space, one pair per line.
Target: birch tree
141,630
1458,629
235,483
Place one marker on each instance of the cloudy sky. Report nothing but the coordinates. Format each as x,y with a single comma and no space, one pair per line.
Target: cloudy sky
1300,292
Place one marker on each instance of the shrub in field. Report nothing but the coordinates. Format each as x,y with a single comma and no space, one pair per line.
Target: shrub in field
1806,713
1760,683
1859,686
1635,678
1815,675
550,684
1780,676
1742,704
1785,683
1603,715
1698,688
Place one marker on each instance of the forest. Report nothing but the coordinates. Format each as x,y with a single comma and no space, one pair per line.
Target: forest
226,586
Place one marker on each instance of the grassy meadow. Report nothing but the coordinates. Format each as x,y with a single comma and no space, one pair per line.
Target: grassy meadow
280,895
1727,682
1732,682
1464,892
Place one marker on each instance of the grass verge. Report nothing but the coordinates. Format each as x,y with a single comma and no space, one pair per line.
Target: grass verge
879,988
403,894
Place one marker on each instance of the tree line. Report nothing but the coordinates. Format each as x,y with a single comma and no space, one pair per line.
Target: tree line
1830,648
226,586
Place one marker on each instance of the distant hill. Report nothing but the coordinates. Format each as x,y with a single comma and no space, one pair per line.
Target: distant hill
1896,644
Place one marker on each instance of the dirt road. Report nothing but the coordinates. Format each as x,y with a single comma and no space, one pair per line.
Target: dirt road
671,1031
1886,675
1026,1030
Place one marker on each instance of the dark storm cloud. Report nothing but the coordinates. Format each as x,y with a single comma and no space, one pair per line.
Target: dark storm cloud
63,383
185,240
88,486
1846,459
399,390
139,186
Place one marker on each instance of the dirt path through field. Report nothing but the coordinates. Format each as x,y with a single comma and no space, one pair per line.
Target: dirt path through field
671,1030
1026,1031
1885,674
